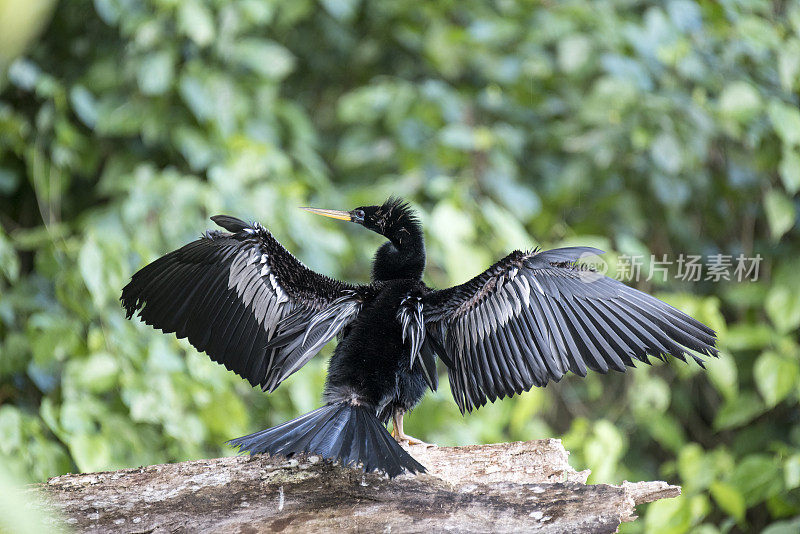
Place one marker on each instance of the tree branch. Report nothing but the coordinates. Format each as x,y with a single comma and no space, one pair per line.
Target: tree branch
507,487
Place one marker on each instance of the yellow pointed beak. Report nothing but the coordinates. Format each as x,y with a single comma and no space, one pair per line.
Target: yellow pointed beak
333,214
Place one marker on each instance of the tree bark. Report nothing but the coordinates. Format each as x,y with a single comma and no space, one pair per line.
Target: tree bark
507,487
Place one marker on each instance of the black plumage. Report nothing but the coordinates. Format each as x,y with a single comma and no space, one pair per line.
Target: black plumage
249,304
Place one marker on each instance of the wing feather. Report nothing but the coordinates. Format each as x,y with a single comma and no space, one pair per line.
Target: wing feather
242,298
533,316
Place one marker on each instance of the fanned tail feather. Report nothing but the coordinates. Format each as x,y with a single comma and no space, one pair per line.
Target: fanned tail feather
349,433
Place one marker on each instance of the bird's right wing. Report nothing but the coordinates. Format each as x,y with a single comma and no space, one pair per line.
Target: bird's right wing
533,316
245,300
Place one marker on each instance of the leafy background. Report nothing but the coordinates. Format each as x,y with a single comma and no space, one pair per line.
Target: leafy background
636,126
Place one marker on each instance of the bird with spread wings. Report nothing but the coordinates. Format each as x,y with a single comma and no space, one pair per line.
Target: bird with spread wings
243,299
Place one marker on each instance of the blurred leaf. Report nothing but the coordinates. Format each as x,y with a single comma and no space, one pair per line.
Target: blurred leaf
91,452
98,373
789,64
666,153
739,411
740,101
792,472
782,505
786,120
10,429
669,516
758,33
756,476
9,181
196,21
686,15
783,527
729,499
696,468
91,265
84,104
24,74
573,52
666,431
9,262
722,372
341,9
268,59
24,511
749,336
108,10
780,213
156,72
603,450
775,376
783,307
790,170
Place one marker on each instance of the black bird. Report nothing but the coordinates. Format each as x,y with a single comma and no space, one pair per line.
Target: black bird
250,305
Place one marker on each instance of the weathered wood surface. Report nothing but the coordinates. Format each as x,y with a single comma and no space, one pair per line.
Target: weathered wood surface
509,487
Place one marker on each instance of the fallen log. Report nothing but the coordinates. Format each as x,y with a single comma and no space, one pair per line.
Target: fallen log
507,487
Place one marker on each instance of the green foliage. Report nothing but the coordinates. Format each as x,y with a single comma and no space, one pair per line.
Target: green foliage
634,126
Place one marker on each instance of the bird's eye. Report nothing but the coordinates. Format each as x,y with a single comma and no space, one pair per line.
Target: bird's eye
359,214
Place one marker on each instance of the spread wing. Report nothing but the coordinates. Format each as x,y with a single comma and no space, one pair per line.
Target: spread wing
533,316
245,300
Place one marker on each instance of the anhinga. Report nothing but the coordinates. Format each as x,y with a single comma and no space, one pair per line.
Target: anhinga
250,305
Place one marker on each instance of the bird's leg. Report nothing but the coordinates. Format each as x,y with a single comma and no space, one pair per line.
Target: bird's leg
397,430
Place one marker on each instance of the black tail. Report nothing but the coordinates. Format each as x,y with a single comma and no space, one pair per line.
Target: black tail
351,434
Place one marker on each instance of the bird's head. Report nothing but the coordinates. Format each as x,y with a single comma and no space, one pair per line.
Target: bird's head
393,219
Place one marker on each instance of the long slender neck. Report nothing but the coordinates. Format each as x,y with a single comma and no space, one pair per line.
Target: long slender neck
402,257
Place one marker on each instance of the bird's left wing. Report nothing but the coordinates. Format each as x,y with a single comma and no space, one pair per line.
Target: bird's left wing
245,300
533,316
